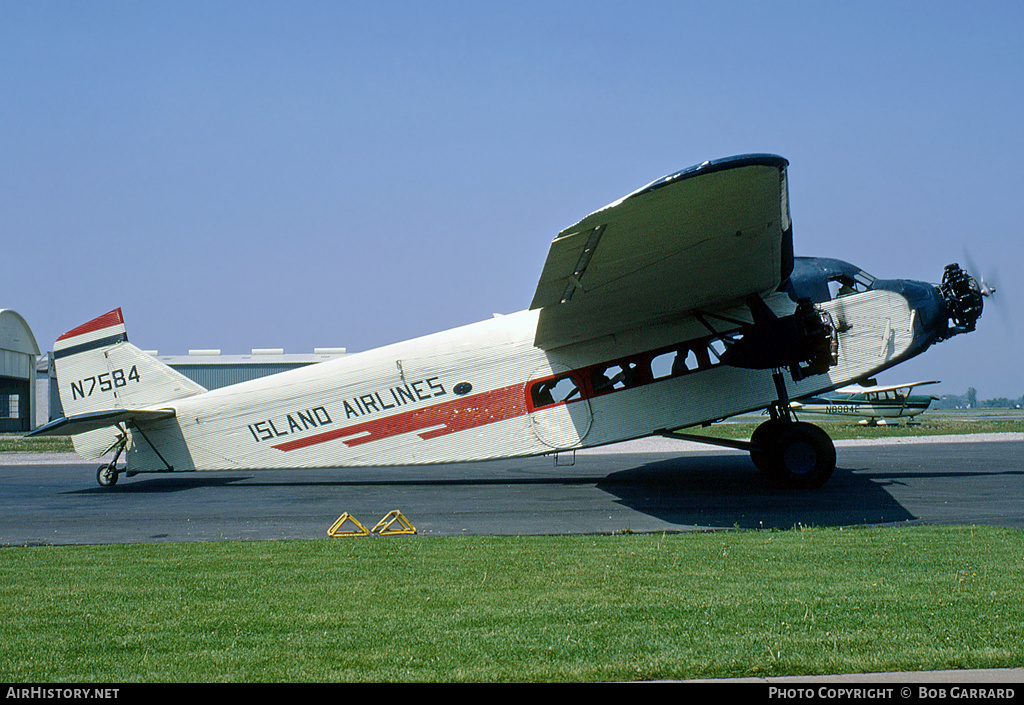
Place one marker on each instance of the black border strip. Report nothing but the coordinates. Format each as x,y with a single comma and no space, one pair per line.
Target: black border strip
85,347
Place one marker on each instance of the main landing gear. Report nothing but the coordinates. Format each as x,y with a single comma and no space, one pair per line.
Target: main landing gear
791,453
794,454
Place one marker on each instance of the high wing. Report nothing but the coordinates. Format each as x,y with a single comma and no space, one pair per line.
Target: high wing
856,389
704,238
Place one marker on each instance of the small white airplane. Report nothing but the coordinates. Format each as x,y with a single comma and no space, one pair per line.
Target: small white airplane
874,405
675,306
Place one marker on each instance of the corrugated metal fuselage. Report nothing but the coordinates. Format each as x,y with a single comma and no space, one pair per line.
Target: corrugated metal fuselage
480,392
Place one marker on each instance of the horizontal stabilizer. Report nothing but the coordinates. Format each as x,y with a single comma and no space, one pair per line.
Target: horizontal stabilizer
92,420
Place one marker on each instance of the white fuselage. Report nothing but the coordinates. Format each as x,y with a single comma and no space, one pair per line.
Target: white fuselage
469,394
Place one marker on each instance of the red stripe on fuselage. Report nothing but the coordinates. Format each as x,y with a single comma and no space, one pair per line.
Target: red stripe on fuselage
433,421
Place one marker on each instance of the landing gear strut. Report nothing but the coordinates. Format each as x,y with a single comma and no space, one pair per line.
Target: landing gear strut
794,454
107,475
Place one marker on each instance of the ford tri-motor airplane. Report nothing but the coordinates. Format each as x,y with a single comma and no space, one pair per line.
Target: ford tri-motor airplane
677,305
873,405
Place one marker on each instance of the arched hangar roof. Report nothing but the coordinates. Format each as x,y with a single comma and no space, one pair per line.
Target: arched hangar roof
15,335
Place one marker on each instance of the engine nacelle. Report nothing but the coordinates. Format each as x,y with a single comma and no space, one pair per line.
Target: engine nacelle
806,342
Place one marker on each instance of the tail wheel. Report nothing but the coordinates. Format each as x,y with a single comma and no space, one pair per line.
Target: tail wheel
107,475
795,455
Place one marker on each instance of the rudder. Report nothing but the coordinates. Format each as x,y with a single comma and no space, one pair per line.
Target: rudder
99,370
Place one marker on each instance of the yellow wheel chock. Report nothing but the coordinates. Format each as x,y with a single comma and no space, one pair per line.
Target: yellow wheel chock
335,529
384,526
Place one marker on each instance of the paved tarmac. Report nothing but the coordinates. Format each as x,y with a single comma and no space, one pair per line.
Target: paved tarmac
647,486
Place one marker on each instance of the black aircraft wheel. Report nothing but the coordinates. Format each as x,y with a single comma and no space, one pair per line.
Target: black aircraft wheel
762,441
107,475
795,455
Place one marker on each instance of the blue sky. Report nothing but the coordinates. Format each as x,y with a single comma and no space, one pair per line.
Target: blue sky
316,174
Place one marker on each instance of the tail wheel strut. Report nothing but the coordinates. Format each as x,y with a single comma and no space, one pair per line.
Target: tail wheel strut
107,474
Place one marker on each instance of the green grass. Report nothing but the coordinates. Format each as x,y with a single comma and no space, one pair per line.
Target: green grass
17,443
576,608
934,424
580,608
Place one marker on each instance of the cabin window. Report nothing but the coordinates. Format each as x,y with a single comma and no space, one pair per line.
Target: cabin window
717,347
554,391
619,375
644,368
674,363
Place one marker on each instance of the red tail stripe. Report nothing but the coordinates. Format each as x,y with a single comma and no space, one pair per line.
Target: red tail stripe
107,320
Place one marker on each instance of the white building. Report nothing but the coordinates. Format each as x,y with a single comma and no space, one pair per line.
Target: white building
18,354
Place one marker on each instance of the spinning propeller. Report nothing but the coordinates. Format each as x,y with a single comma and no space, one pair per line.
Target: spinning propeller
986,288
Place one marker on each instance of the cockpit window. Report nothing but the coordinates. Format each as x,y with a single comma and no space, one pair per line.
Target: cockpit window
845,284
823,279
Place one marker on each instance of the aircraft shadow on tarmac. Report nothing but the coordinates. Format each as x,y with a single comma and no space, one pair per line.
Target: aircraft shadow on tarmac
162,483
727,491
691,491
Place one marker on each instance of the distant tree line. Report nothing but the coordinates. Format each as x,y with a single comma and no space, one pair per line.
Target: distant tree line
969,400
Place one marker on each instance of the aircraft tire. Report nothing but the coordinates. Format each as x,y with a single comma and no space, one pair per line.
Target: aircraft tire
107,476
761,442
795,455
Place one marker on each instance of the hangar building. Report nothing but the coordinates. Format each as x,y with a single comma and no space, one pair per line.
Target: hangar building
18,354
212,370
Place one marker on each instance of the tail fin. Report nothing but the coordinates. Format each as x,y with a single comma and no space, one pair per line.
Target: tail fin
104,380
99,370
